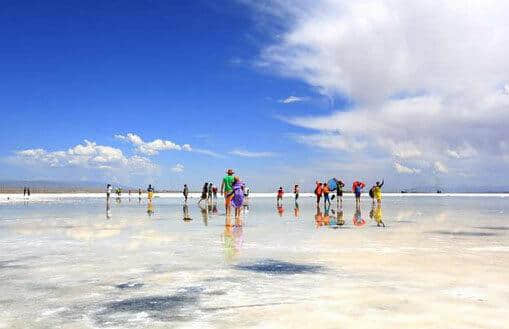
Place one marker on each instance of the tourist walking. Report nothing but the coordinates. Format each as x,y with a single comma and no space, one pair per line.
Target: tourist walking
325,191
296,191
238,196
227,189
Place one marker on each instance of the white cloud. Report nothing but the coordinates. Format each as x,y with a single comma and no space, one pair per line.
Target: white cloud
405,170
249,154
88,155
440,167
292,99
408,67
153,147
178,168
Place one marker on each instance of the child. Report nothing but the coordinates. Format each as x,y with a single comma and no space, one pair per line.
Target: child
238,196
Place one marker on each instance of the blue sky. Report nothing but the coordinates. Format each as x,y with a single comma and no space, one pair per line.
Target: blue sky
214,76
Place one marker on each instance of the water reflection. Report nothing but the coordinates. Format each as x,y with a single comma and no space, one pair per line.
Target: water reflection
233,237
108,209
150,208
185,210
357,217
205,213
280,209
376,214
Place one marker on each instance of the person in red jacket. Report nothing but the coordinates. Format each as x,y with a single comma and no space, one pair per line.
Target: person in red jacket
318,192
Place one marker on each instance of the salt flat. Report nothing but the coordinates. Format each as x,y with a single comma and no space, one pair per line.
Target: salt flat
440,262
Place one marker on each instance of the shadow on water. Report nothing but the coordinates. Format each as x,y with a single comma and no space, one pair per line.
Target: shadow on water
271,266
158,308
462,233
497,228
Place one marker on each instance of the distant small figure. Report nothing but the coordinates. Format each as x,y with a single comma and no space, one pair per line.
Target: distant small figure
209,193
108,192
150,192
139,193
318,192
24,191
28,191
185,192
280,193
296,191
129,194
214,192
204,192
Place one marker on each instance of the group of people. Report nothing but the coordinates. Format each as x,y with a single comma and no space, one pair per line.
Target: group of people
118,192
336,188
209,192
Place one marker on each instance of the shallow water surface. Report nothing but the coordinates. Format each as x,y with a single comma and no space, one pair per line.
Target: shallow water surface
420,262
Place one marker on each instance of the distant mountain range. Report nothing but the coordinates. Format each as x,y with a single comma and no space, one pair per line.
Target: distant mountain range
40,186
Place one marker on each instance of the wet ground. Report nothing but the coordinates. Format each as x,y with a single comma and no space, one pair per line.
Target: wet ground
420,262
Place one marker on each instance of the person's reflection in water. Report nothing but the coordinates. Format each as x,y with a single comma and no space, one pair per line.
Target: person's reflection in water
150,208
339,217
185,210
326,216
377,214
296,210
228,240
318,216
357,217
108,209
280,209
204,214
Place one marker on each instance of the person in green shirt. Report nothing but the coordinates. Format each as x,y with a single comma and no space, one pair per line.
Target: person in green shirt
227,189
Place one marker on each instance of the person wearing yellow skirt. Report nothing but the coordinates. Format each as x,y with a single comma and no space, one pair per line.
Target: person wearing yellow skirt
150,192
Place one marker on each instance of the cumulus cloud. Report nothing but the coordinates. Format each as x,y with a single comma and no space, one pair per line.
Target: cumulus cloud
424,77
249,154
405,170
153,147
88,155
178,168
292,99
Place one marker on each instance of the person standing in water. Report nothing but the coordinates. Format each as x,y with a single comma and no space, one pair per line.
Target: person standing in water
214,192
339,191
238,196
377,192
325,191
150,192
28,191
357,190
280,193
227,189
318,192
209,193
108,192
296,191
24,191
204,192
185,192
